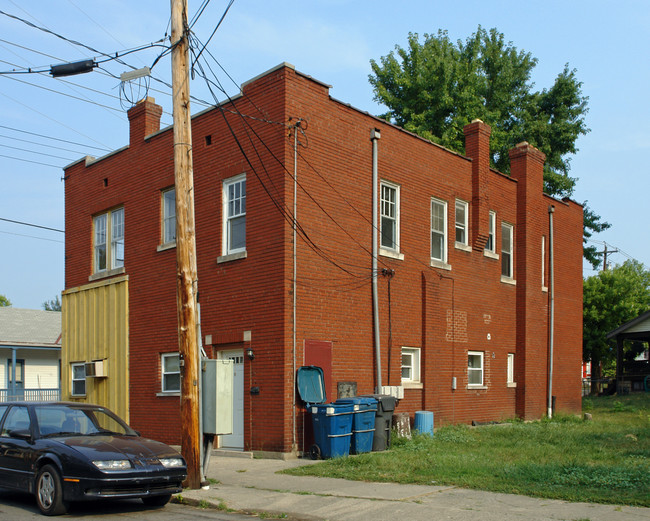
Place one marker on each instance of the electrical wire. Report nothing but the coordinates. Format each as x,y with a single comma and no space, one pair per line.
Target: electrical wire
223,16
54,138
29,161
32,237
32,225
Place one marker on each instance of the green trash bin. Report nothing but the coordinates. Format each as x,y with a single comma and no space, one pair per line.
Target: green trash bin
383,420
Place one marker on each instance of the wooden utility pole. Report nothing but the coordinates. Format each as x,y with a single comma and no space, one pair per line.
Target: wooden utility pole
185,247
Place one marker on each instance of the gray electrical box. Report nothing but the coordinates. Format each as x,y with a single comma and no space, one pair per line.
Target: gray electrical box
217,396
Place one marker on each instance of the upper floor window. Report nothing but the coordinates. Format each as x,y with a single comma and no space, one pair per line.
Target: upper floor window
108,240
492,226
389,205
461,222
511,368
234,215
169,216
438,230
506,250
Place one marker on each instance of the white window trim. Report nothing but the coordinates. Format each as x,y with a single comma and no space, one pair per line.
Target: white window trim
482,384
166,244
440,263
492,226
163,391
510,376
73,379
109,244
544,286
415,382
509,279
462,245
393,253
226,253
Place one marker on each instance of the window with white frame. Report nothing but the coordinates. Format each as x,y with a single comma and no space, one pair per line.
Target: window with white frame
506,250
234,212
169,216
410,364
511,368
491,243
389,205
544,262
105,235
78,381
170,373
475,368
439,230
461,222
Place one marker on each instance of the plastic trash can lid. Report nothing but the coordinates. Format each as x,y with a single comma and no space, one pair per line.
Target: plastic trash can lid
311,384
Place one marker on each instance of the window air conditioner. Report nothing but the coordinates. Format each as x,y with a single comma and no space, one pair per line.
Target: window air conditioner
96,369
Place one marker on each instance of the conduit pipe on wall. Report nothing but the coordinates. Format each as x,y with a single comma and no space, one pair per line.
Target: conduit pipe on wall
551,310
374,137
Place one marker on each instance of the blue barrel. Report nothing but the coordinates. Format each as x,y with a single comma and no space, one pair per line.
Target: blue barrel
332,430
423,422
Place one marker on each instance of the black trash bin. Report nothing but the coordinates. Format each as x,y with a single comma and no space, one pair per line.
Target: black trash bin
383,420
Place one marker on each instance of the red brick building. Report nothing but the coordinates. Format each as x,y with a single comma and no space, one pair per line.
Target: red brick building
462,279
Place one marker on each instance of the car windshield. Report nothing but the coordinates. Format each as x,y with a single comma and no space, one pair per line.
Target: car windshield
70,420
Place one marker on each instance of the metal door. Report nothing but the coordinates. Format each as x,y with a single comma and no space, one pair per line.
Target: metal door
236,439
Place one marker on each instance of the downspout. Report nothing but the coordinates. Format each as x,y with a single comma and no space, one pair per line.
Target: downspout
294,446
374,137
551,324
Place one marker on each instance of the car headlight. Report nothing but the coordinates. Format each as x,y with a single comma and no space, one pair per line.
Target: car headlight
172,463
112,464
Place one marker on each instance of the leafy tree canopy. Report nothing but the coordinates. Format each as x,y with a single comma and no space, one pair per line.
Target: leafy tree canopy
52,305
612,298
4,301
435,87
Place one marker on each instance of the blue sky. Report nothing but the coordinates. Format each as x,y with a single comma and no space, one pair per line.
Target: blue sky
333,41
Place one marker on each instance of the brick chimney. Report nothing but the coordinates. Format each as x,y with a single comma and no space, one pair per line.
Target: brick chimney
144,119
477,148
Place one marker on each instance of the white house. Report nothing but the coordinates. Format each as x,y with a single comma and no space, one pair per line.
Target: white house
30,354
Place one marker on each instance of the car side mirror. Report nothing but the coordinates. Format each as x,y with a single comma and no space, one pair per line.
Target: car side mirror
22,434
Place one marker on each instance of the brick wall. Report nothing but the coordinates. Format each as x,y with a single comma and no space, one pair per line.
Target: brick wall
444,312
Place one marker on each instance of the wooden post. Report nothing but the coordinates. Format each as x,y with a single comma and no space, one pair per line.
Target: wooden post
185,247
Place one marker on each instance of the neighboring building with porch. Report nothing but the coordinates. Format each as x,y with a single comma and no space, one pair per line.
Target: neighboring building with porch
30,354
463,276
632,374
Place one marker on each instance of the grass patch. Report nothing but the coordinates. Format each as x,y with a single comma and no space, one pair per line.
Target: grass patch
603,461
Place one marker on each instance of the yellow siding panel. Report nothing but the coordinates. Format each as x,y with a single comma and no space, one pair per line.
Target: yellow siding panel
96,327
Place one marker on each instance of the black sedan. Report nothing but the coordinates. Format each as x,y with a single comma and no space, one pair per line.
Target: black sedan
63,452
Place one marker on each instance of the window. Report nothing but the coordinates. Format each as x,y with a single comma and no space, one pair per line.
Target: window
17,420
410,364
104,235
511,368
389,205
78,387
438,230
475,368
506,251
492,231
169,216
234,211
544,288
171,373
461,222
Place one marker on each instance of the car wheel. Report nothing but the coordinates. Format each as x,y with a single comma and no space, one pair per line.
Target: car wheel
157,501
49,492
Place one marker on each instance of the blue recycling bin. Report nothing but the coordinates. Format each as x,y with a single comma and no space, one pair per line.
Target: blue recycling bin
363,423
332,430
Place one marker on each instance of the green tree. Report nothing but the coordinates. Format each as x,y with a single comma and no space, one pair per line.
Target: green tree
610,299
435,87
4,302
52,305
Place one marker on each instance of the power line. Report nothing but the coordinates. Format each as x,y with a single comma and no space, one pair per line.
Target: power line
32,225
55,138
33,152
32,237
28,161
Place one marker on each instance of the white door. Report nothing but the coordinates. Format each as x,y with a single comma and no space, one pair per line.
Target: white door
236,439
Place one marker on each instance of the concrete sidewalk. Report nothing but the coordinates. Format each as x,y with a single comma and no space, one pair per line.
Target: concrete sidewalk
252,485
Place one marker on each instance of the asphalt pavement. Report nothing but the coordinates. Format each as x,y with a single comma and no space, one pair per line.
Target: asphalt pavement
247,485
